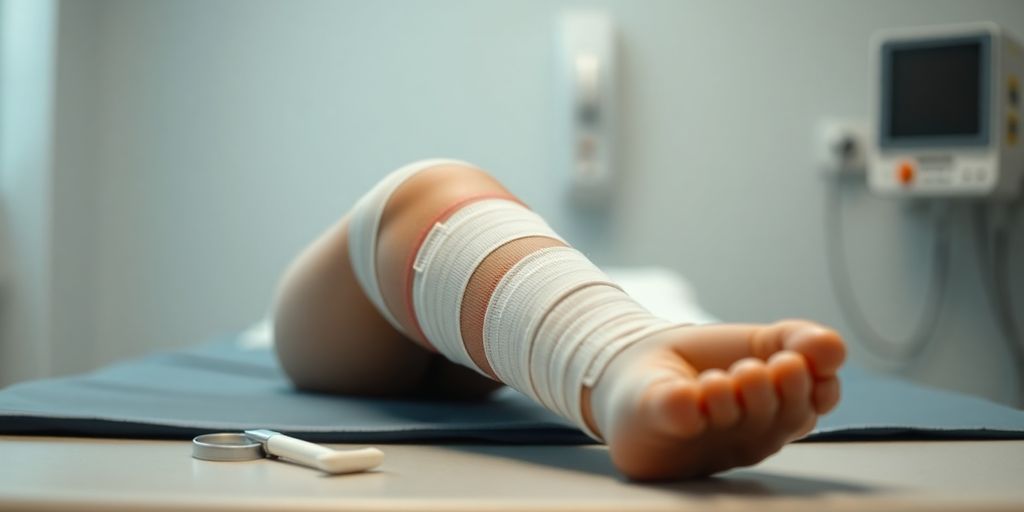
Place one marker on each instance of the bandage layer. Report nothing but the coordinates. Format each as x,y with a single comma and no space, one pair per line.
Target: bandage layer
364,227
553,322
447,258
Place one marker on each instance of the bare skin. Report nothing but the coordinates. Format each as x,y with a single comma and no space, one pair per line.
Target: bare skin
699,400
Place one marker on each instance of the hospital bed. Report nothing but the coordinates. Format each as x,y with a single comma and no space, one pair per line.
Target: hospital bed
119,439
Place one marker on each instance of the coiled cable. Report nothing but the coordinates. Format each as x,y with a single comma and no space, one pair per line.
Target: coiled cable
992,244
901,351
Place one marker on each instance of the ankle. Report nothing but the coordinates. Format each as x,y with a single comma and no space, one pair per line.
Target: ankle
630,374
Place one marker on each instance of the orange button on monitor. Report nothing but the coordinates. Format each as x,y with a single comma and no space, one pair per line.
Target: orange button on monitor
905,173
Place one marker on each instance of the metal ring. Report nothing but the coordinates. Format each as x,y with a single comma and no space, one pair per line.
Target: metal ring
226,446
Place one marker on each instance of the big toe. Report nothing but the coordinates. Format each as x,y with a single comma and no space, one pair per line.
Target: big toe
822,348
673,405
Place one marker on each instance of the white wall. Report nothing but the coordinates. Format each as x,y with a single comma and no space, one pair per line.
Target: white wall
28,32
202,144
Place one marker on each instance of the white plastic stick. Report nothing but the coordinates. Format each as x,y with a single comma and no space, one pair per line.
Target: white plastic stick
315,455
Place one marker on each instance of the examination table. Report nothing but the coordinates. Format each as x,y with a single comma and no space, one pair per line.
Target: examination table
118,439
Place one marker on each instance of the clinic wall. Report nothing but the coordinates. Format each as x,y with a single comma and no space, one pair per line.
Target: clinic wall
204,143
28,34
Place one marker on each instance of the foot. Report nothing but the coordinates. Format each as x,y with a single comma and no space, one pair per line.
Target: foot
695,401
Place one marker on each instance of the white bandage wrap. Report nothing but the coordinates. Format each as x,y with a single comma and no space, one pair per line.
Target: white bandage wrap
450,253
571,313
521,302
612,306
364,226
554,321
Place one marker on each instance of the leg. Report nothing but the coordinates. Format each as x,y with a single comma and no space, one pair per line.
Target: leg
330,338
673,403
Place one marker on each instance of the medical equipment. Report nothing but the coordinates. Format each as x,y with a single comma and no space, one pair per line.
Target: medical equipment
226,447
992,229
841,147
904,350
257,444
586,92
946,108
947,111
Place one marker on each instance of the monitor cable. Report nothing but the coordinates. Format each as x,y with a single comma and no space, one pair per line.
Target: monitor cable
992,240
900,351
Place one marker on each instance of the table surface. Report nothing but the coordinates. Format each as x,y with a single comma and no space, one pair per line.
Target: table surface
50,473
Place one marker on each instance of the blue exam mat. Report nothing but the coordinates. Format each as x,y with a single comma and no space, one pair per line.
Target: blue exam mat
223,387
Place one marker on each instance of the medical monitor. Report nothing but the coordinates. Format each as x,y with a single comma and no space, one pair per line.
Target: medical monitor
946,111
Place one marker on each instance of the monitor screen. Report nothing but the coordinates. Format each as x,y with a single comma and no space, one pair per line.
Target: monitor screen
936,90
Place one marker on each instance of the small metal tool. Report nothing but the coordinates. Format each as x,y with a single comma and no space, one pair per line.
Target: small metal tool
257,444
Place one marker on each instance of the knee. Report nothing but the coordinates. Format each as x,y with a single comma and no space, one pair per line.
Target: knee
439,187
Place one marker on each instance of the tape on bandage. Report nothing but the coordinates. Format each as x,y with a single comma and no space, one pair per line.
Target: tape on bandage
607,351
616,304
364,227
448,257
567,313
433,267
623,334
522,299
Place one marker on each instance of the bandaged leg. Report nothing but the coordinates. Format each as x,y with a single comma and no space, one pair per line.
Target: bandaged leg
489,285
553,321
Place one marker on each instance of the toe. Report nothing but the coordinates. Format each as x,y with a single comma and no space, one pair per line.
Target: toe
791,376
805,429
792,381
823,349
825,395
719,346
757,394
674,408
718,398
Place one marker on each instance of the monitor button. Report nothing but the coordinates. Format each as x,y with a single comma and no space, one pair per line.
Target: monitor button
905,173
